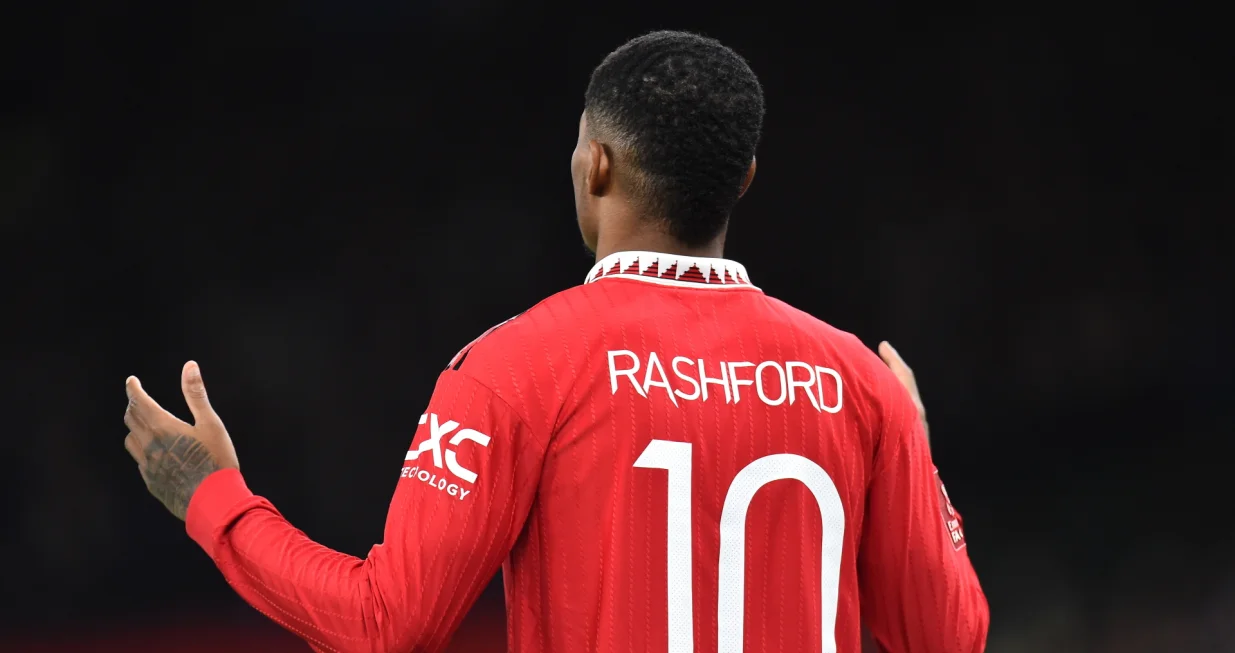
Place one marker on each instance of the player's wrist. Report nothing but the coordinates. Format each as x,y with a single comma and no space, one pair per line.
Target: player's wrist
213,506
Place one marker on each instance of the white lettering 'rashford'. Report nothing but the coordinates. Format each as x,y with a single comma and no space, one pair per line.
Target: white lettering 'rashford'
774,383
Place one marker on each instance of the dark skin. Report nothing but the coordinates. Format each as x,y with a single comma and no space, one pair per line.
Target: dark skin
174,457
611,217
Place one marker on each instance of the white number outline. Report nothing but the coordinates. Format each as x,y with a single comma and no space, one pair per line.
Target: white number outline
676,459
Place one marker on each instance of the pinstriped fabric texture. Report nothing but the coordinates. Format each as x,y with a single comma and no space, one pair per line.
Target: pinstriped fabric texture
550,412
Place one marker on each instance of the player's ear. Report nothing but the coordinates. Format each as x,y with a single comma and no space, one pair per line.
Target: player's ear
599,172
750,176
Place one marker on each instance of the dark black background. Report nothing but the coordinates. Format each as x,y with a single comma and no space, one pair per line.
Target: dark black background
322,202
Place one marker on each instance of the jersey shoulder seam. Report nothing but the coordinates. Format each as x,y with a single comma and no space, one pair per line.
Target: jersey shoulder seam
457,361
494,393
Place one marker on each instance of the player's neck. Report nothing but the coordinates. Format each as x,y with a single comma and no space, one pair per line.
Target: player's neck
648,240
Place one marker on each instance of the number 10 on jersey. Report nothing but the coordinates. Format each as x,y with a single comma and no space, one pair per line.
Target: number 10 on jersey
676,458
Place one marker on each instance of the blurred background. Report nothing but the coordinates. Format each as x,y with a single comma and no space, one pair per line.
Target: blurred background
322,201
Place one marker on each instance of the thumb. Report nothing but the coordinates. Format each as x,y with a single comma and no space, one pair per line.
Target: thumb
195,393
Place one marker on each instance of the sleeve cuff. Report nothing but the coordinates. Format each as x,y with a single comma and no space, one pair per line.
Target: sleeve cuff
213,506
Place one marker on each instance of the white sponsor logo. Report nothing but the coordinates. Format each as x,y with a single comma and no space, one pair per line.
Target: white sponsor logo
441,484
443,454
775,383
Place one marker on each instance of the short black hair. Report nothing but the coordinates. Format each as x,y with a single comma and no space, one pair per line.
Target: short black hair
687,111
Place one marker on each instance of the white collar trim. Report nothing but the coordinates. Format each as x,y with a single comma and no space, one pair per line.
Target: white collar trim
671,269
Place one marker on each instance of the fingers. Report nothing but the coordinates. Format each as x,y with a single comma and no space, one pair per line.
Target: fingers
133,445
138,416
897,364
144,415
904,374
145,418
194,389
142,408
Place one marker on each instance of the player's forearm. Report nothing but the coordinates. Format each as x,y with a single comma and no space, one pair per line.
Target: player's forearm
960,620
914,568
331,600
975,613
925,601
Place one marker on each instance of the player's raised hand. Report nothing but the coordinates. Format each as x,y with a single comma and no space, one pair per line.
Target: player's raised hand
173,456
898,366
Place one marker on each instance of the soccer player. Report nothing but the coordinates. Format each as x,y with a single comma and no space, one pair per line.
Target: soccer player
661,459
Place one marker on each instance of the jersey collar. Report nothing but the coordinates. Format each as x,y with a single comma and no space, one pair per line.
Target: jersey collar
671,270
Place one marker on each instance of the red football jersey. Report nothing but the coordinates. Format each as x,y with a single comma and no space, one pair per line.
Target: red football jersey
663,459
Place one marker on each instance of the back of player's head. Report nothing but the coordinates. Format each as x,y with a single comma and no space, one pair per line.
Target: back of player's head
684,112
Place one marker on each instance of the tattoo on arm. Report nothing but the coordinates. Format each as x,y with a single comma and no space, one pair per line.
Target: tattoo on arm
175,465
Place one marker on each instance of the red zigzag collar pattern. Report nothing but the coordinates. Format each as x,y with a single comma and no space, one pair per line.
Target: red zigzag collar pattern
671,269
